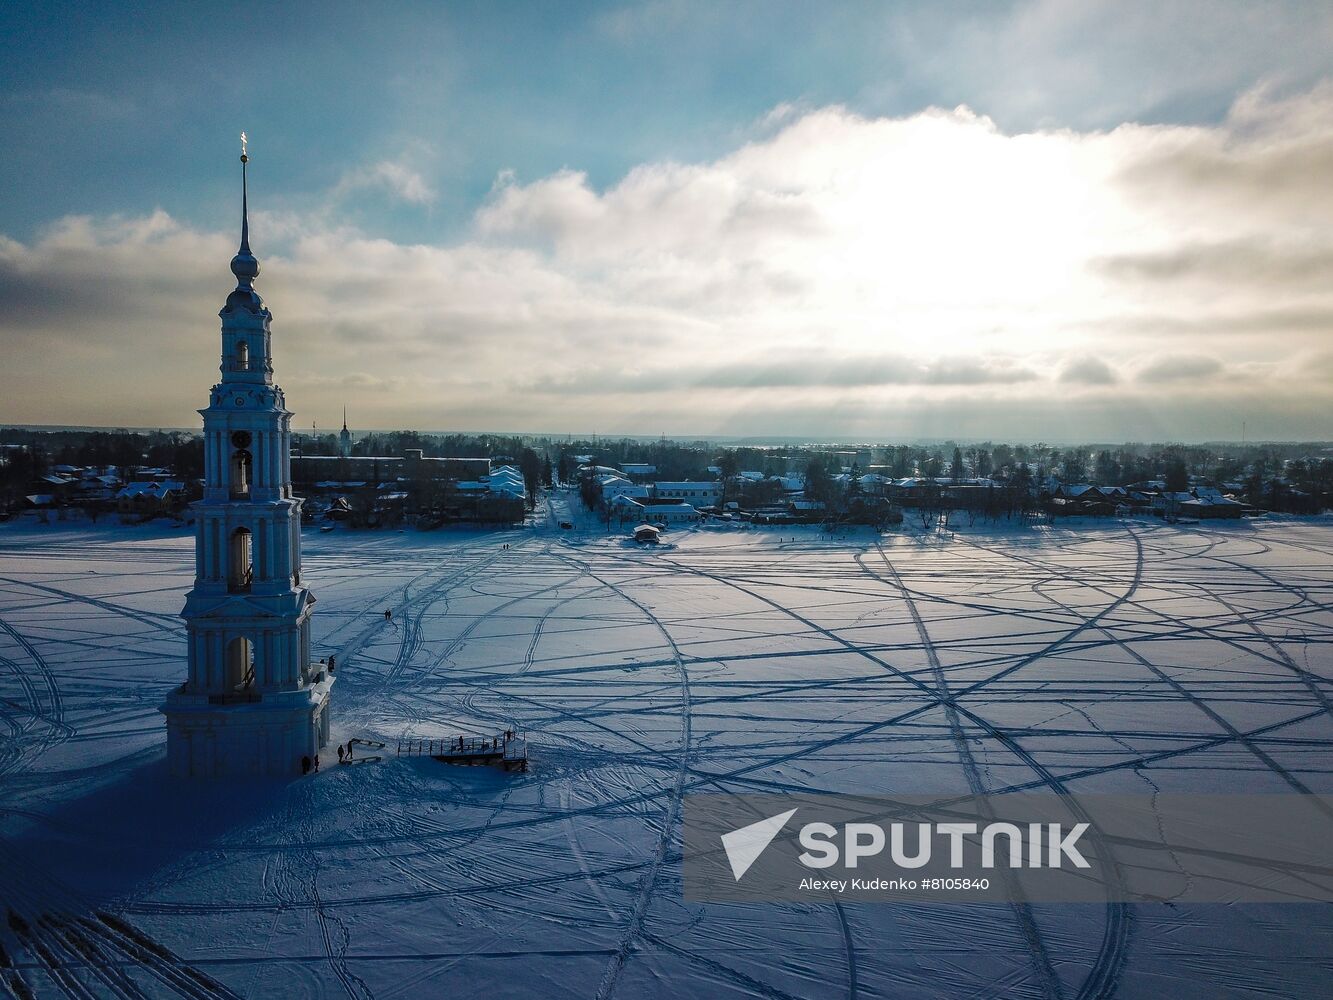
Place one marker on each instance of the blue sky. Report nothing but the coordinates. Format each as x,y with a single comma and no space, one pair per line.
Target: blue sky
447,128
115,112
129,107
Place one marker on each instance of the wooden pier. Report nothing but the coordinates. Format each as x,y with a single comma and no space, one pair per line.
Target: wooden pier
507,749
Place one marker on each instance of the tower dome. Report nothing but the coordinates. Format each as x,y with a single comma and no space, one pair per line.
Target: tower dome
245,266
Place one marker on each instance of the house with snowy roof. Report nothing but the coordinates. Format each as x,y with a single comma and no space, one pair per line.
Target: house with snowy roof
637,471
60,485
655,511
1216,506
149,498
506,479
617,486
1076,491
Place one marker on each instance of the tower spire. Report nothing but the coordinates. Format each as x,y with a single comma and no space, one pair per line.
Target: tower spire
244,265
245,198
344,417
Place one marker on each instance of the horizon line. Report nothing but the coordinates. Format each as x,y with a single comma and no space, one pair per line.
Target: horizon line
755,440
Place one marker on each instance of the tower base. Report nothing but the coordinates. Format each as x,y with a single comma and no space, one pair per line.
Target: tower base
247,734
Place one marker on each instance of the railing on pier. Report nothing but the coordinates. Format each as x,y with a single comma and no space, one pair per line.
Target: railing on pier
505,748
454,745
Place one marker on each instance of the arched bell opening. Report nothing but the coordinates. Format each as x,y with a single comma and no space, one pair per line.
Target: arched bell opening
242,465
240,561
240,664
242,359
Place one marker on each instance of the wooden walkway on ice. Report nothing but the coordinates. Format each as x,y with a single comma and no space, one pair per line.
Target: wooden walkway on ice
510,752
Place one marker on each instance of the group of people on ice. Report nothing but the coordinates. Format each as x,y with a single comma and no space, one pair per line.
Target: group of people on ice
309,764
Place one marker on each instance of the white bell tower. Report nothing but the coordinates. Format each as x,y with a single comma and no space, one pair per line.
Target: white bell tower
252,704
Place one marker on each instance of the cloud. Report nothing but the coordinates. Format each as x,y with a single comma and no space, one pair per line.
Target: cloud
795,372
1248,321
650,19
1088,371
82,271
1179,367
1292,268
394,178
1266,164
866,274
1106,61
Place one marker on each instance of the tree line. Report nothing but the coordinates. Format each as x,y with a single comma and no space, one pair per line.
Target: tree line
1305,466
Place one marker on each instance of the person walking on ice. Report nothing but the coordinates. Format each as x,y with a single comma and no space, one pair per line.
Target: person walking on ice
340,753
388,615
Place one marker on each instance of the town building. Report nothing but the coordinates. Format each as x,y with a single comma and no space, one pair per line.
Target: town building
310,470
703,494
661,511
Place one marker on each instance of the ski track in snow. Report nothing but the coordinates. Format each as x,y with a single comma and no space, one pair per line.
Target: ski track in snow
1122,656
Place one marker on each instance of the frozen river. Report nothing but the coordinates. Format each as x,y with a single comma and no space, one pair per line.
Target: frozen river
1127,657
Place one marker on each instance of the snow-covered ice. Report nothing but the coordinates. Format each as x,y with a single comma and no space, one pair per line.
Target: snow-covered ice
1097,656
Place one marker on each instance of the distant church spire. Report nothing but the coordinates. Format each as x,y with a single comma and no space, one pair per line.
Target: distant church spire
345,438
